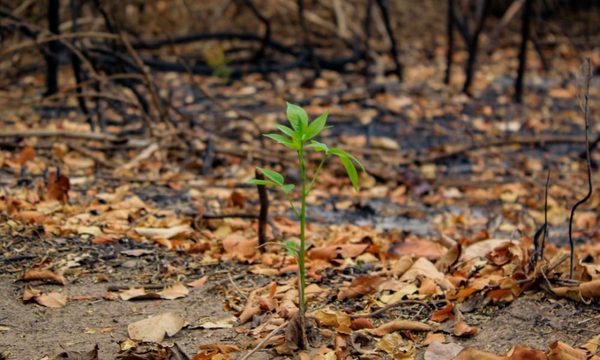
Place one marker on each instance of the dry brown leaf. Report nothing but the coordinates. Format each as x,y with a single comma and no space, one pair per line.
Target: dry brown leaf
433,337
449,258
443,314
474,354
42,274
252,308
52,299
400,325
332,318
361,323
58,187
172,292
424,268
163,233
583,292
240,246
398,348
461,329
438,351
360,285
175,291
481,248
525,353
418,248
558,350
221,348
154,328
198,282
591,346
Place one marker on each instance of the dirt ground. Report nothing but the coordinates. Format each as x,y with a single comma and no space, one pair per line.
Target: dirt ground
31,331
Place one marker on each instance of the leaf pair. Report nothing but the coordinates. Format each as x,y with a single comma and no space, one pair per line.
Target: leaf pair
273,178
301,130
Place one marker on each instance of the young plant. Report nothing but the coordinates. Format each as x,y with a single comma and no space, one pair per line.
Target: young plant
300,138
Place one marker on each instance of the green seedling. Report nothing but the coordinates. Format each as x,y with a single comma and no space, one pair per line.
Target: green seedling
300,138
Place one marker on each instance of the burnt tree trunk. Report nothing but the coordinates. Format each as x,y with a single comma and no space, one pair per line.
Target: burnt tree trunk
384,7
473,45
525,25
367,60
53,48
450,35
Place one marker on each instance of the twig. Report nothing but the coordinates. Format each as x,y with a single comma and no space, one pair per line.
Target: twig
588,77
237,288
539,245
209,156
60,134
263,217
92,155
391,306
127,287
264,341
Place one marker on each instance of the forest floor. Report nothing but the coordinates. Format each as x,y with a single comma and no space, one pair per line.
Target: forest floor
99,232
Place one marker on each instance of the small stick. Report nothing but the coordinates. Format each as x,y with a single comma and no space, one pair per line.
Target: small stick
587,70
264,341
390,306
127,287
263,217
209,156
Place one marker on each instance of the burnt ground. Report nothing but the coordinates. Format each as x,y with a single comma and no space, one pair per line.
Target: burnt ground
92,316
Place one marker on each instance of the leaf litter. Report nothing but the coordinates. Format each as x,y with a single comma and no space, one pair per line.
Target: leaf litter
356,265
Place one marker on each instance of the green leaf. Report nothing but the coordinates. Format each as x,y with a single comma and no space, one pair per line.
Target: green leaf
282,140
272,175
343,154
316,126
351,170
291,247
318,146
297,117
262,182
286,130
287,188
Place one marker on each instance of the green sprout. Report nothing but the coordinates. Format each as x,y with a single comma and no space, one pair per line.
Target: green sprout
300,138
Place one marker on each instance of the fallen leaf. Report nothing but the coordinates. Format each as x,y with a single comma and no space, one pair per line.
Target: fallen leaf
417,248
399,325
163,233
361,323
172,292
558,350
41,274
58,187
52,299
154,329
474,354
394,345
481,248
439,351
523,352
332,318
443,314
240,246
424,268
175,291
198,282
461,329
225,323
359,286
